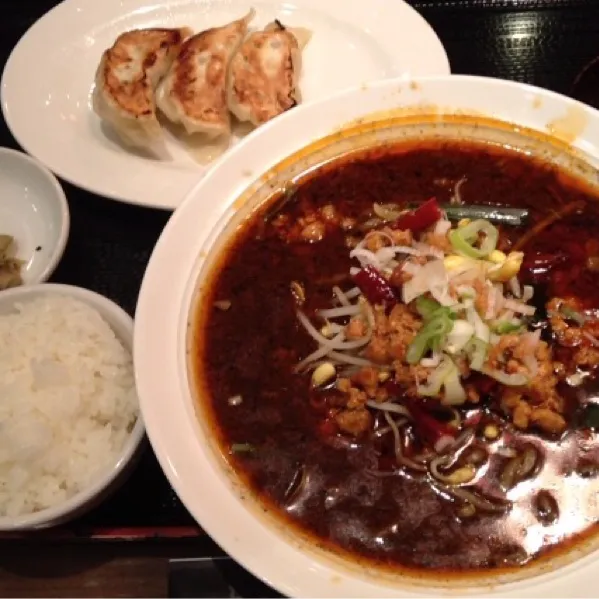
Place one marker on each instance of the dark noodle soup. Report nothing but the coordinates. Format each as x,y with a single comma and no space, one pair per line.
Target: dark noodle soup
400,351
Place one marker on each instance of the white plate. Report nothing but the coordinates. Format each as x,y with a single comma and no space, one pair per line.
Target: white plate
184,446
48,79
34,210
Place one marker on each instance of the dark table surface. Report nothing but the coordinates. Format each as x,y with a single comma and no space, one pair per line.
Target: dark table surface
543,42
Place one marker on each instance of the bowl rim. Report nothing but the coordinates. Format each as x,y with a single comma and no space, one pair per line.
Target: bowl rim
58,196
60,513
161,323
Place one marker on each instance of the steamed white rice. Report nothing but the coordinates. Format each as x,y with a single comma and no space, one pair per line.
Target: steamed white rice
67,402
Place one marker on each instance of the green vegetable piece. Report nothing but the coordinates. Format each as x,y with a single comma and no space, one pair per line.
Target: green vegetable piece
242,448
571,314
429,309
426,306
430,337
503,328
497,214
463,239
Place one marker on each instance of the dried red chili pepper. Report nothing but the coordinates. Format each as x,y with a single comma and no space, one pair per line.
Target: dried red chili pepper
375,287
420,219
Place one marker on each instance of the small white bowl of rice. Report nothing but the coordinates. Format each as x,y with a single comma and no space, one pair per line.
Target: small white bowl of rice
70,427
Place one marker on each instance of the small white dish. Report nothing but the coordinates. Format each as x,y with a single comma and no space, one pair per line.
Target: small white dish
122,325
34,210
353,42
185,446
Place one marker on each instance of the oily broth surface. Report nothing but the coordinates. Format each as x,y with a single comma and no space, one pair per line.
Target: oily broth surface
251,349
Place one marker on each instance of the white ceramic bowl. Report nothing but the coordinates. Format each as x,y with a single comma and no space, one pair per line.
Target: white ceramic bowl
122,325
184,443
34,210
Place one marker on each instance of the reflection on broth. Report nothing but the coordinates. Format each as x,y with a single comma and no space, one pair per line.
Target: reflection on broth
399,353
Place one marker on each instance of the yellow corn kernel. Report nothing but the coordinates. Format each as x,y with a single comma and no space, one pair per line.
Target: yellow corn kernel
462,475
467,511
324,373
491,432
463,222
497,257
509,268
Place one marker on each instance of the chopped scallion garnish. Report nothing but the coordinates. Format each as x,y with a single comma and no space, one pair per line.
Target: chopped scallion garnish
506,327
430,337
464,239
572,314
426,306
242,448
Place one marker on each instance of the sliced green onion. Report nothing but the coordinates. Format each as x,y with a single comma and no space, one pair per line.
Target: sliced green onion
425,306
477,350
430,337
510,380
571,314
430,308
505,327
463,239
454,392
417,349
388,211
461,246
242,448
